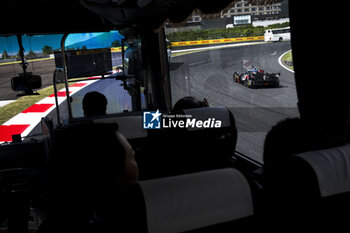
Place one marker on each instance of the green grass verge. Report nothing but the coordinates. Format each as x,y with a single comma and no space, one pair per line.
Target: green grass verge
287,59
14,108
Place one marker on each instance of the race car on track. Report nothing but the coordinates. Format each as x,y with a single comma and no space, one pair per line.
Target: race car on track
254,78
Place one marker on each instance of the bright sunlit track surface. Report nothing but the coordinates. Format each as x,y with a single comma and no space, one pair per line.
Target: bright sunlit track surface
209,74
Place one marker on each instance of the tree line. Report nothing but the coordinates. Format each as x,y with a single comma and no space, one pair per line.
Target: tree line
47,50
221,33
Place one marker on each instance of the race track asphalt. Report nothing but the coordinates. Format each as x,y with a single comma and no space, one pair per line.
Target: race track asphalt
209,74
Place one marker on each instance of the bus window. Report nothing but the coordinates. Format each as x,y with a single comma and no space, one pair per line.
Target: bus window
100,52
236,68
119,99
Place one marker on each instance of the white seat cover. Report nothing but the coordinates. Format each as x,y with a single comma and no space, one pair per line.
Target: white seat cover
332,167
129,126
186,202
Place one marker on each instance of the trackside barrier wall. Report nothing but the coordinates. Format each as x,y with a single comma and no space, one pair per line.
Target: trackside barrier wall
174,44
217,41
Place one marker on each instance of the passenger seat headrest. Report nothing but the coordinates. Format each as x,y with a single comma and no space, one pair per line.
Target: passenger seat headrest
332,168
192,201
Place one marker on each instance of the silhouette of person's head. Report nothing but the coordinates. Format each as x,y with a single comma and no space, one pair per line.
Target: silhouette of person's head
94,104
189,102
288,137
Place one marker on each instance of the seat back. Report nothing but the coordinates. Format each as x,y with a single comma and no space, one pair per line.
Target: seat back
313,189
211,201
130,126
332,185
196,201
86,158
223,138
332,169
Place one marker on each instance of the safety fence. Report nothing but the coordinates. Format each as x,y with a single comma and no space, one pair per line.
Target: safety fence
173,44
217,41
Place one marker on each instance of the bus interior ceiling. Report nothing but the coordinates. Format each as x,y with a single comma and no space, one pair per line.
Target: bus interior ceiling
323,101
